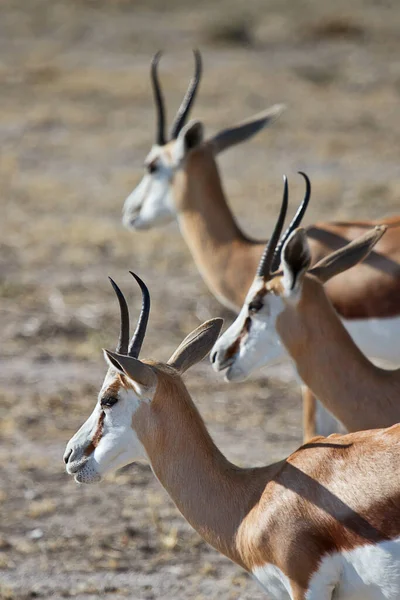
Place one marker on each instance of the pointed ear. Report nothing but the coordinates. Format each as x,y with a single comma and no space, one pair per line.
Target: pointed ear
190,136
196,345
348,256
296,259
140,375
245,130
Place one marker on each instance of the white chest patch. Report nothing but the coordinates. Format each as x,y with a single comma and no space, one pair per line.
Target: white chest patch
366,573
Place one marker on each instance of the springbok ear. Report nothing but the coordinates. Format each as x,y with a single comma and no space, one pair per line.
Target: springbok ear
141,376
245,130
189,137
348,256
196,345
296,259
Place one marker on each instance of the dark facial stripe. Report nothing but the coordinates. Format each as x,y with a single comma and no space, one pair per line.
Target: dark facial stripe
97,435
233,348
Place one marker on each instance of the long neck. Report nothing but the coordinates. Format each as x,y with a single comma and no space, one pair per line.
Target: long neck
213,495
358,393
224,256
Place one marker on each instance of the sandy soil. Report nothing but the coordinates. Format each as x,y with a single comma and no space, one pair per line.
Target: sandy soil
76,121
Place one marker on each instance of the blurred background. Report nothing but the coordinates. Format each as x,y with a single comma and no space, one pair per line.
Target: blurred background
76,122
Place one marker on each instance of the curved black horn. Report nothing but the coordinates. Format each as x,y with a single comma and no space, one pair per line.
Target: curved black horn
295,222
188,99
159,100
123,341
140,331
264,268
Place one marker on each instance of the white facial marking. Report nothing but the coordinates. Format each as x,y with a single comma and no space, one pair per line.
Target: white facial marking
151,202
252,335
106,441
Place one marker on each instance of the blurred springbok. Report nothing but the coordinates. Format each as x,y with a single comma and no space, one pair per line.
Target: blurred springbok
322,524
183,182
291,308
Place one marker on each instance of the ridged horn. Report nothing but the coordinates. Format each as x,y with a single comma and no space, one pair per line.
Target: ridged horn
184,109
123,341
295,222
264,268
136,342
158,99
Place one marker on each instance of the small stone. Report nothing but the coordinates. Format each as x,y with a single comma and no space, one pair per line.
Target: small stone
35,534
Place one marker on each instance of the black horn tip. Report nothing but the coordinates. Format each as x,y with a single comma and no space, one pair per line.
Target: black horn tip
116,288
285,199
156,57
123,340
140,331
197,57
308,189
306,177
141,283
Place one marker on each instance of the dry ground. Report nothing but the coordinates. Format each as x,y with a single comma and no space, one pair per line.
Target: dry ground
76,120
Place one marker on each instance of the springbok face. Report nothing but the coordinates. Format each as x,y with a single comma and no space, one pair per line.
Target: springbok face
112,436
107,440
153,202
274,306
252,341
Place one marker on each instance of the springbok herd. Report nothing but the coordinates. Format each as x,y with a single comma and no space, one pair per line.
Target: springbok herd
325,522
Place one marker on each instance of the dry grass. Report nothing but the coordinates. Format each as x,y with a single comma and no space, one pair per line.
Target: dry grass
76,121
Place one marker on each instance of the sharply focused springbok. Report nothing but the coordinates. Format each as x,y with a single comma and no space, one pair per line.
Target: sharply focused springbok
291,309
183,182
323,524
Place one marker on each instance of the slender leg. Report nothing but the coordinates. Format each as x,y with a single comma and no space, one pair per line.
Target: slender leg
309,414
317,420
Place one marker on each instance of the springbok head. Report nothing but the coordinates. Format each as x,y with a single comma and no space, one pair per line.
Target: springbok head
277,299
112,436
153,201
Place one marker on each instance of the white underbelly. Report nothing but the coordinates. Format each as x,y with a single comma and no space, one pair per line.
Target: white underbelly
366,573
377,338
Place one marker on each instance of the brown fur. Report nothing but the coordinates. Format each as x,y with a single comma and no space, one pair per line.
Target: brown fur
309,413
358,393
227,259
332,494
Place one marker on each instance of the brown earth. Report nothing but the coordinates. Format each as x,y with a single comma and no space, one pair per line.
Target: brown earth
76,121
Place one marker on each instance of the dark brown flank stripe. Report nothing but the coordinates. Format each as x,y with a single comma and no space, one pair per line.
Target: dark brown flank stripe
97,435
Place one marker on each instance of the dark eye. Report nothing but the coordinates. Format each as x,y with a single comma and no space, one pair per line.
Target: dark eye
152,167
255,305
108,402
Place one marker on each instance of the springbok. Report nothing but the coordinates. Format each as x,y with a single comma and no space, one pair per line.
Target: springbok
183,182
291,308
322,524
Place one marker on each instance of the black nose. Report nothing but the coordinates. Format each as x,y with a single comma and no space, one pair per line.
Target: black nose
67,457
213,356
